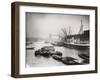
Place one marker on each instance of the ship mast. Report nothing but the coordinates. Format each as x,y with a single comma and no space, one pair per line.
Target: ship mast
81,28
69,31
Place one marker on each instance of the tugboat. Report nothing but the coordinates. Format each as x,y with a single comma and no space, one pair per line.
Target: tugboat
47,51
69,61
85,58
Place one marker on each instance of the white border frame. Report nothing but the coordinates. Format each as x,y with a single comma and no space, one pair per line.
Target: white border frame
39,70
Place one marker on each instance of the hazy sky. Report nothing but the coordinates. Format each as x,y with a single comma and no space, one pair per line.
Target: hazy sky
43,24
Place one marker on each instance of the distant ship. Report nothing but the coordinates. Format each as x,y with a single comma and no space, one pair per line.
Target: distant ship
80,40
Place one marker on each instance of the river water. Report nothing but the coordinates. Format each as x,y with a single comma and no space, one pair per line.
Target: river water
40,61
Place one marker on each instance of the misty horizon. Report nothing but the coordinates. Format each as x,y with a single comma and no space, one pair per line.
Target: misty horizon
41,25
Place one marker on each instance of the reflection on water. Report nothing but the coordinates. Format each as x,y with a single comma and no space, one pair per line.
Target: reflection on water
40,61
